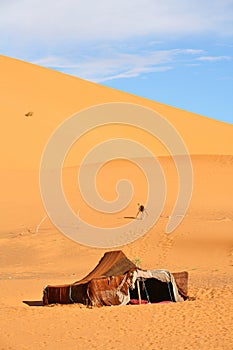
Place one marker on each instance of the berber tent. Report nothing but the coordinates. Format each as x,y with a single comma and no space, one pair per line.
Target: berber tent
118,281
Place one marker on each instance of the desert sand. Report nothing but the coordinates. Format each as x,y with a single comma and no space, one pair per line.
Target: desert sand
32,258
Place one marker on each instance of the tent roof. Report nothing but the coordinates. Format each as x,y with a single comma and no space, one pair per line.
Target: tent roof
113,263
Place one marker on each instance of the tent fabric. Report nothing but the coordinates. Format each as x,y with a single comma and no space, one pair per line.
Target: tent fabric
113,279
57,294
181,279
103,284
109,291
113,263
161,275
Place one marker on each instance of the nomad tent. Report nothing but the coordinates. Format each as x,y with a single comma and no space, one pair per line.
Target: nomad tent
118,281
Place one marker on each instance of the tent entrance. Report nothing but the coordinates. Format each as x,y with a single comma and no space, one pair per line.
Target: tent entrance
152,290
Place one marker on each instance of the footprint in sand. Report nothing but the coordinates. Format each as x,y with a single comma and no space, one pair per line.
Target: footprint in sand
165,244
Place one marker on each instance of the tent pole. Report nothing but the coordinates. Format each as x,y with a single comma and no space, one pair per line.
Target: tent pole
139,293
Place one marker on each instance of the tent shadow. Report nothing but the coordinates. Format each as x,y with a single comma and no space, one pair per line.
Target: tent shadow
33,302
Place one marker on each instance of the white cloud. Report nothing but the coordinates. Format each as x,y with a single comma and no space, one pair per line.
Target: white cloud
56,21
214,58
133,73
109,39
119,65
193,64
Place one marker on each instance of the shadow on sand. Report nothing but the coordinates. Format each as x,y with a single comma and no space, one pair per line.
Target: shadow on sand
33,302
130,217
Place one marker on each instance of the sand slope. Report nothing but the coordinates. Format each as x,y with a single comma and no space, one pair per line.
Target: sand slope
53,97
202,244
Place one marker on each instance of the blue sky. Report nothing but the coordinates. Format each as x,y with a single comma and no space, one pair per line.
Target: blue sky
178,52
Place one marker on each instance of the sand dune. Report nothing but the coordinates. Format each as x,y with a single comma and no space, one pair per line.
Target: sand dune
201,245
53,97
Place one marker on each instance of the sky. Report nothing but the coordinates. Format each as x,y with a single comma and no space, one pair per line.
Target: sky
177,52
